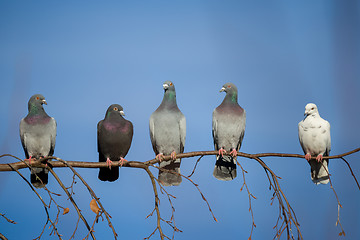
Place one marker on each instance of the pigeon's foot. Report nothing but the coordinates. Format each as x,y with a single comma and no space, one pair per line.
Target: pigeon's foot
221,151
108,163
173,155
319,158
159,157
233,152
121,161
308,156
29,159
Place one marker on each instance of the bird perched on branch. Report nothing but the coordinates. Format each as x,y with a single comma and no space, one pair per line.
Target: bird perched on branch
315,140
167,134
228,128
38,134
114,135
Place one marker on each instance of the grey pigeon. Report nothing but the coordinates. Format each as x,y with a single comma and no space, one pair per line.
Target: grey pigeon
315,140
114,140
167,133
228,128
38,134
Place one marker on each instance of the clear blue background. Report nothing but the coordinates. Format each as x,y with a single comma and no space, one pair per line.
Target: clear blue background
85,55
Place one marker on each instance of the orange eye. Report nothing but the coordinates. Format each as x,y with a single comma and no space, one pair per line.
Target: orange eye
171,84
37,98
115,108
229,86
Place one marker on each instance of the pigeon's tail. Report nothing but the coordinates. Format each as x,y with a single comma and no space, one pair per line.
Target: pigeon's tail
319,171
167,178
39,177
225,168
107,174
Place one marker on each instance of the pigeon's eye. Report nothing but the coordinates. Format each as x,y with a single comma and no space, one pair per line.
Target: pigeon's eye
37,98
312,108
171,84
115,108
229,86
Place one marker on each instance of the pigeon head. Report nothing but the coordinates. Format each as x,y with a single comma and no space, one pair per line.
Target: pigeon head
115,110
231,92
311,109
169,93
36,102
168,86
228,87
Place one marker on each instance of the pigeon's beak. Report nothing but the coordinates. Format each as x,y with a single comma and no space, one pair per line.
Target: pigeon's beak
165,86
44,102
222,89
122,113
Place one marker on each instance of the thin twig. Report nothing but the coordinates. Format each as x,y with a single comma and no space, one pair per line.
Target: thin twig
342,233
71,199
92,193
7,219
193,171
2,237
195,184
287,211
157,203
44,204
249,196
171,222
352,173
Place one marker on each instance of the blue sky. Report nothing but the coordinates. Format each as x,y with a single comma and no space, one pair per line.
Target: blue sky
85,55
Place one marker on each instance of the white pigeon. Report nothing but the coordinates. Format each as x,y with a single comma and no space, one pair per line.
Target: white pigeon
315,140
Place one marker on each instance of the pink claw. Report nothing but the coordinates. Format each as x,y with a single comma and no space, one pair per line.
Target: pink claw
173,155
233,153
122,160
319,158
29,159
160,156
308,156
221,151
108,163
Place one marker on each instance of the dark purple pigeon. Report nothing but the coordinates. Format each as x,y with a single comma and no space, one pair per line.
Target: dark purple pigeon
114,140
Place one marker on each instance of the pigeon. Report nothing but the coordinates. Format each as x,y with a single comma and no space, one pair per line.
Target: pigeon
38,135
114,136
167,134
315,140
228,128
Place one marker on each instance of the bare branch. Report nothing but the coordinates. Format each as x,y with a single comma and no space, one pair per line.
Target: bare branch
286,219
191,181
193,171
352,173
92,193
7,219
2,237
136,164
342,233
249,196
157,203
285,209
71,199
42,201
